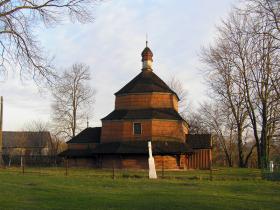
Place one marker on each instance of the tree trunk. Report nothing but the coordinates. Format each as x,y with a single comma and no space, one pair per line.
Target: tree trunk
248,156
240,146
263,139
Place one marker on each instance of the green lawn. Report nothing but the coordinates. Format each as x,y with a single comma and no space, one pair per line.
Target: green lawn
95,189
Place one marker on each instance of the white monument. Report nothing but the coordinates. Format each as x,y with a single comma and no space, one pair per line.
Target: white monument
152,168
271,166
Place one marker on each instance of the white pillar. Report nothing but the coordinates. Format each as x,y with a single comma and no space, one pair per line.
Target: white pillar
271,166
152,168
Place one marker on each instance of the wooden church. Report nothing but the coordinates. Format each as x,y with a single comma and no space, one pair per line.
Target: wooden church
146,109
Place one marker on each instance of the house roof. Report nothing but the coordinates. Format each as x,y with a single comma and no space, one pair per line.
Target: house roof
25,139
199,141
146,82
88,135
170,114
133,147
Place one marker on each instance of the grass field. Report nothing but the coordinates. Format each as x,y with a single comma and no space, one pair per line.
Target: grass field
49,188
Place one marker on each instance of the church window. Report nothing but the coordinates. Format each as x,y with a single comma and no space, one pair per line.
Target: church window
137,128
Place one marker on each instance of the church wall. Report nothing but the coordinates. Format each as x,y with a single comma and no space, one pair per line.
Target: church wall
110,161
151,130
82,162
185,128
168,130
125,161
111,131
145,101
200,159
138,162
169,162
141,162
123,130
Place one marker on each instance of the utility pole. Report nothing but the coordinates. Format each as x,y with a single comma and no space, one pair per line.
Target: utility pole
1,131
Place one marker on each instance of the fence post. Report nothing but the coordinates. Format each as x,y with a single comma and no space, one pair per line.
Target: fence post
211,172
39,163
23,163
162,167
113,169
66,166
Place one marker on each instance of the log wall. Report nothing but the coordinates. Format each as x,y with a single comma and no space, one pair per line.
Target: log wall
125,162
82,162
201,159
146,101
122,130
141,162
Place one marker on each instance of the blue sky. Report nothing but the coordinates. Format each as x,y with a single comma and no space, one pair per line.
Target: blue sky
111,45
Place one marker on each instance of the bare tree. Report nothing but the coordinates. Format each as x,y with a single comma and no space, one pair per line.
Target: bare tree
197,124
266,14
177,86
245,62
258,84
36,126
220,124
19,46
222,79
73,100
267,10
57,145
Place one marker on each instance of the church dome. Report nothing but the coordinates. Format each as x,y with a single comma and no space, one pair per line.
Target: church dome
147,54
146,81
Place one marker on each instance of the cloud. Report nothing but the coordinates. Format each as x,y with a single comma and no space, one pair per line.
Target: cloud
112,46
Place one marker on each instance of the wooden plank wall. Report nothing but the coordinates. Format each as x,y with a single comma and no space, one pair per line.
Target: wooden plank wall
141,162
200,159
146,101
151,129
81,162
167,162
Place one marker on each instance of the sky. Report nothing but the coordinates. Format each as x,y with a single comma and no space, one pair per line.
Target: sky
112,44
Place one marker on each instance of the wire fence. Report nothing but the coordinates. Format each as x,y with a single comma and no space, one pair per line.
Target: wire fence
273,175
32,160
57,166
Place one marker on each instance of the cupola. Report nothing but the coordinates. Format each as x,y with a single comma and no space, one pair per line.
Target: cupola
147,58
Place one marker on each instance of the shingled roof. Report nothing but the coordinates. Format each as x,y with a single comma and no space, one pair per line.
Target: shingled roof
141,147
76,153
89,135
199,141
25,139
146,82
169,114
132,148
